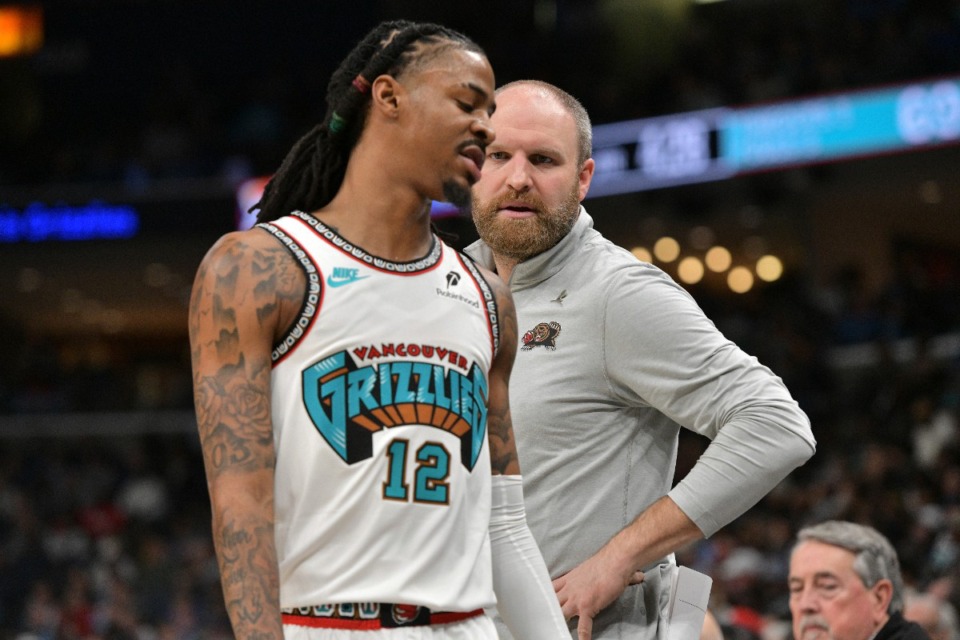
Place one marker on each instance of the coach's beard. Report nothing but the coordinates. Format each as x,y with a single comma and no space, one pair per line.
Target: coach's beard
524,238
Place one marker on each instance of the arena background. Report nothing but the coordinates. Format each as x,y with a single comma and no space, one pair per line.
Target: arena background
129,130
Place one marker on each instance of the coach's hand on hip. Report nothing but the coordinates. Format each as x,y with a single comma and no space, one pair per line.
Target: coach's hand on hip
593,585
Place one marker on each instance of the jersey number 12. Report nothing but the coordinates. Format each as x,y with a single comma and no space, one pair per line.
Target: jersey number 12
430,484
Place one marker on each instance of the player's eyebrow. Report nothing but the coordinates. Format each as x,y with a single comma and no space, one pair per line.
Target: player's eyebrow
483,94
478,89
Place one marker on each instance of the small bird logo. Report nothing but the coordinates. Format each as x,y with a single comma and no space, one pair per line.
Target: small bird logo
559,299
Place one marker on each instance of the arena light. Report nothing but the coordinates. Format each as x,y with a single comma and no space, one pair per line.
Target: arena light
718,259
42,222
666,249
740,280
642,254
248,194
21,30
769,268
690,270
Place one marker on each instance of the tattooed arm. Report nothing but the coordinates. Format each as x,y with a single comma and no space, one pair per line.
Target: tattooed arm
503,448
242,298
525,597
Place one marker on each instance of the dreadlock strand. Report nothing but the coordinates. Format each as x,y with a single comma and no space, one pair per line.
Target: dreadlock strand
285,189
313,171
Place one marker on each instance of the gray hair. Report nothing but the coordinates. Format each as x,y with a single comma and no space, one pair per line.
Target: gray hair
875,559
573,107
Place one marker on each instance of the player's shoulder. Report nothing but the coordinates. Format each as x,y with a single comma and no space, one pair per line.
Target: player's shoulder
499,288
487,274
243,241
238,249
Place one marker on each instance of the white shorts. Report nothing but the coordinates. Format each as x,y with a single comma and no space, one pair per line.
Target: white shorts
475,628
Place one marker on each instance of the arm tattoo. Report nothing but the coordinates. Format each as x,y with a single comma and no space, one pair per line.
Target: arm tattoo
234,422
233,310
503,449
249,583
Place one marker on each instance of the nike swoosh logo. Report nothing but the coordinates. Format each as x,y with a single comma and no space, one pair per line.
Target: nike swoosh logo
339,282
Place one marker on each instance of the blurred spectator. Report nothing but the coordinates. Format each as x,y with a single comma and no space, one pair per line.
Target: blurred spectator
933,429
711,628
81,567
938,618
845,582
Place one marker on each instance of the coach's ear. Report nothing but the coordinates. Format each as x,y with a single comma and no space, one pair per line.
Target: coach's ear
586,175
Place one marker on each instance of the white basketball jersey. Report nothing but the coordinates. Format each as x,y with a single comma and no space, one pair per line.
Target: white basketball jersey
379,410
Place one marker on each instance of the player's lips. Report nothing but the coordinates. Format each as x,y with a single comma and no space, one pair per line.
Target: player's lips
474,156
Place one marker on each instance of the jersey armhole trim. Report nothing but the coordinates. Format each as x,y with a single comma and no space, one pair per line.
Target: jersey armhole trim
312,299
490,301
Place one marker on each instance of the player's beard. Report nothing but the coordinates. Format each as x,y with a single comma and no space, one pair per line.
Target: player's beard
457,195
522,238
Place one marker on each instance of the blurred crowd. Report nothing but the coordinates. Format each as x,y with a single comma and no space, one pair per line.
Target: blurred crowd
108,537
90,111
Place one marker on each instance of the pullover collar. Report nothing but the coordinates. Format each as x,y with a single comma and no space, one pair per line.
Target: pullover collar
535,270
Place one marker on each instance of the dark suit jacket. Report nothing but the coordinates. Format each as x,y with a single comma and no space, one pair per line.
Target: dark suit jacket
899,629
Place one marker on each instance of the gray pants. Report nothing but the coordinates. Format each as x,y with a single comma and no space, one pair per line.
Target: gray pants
640,613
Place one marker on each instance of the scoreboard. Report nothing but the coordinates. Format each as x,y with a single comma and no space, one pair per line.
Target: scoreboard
714,144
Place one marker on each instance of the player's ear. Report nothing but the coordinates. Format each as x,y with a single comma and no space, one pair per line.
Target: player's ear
385,95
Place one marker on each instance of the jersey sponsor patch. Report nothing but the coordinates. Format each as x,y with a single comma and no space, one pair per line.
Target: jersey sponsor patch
543,335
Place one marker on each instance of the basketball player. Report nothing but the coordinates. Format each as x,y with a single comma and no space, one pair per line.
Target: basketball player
615,357
351,374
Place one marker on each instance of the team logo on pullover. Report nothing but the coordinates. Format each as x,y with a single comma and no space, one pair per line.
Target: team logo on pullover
543,335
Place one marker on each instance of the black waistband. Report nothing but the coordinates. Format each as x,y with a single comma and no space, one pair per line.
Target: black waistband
371,615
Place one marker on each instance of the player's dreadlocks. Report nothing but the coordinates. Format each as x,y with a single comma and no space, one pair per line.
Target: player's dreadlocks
313,170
